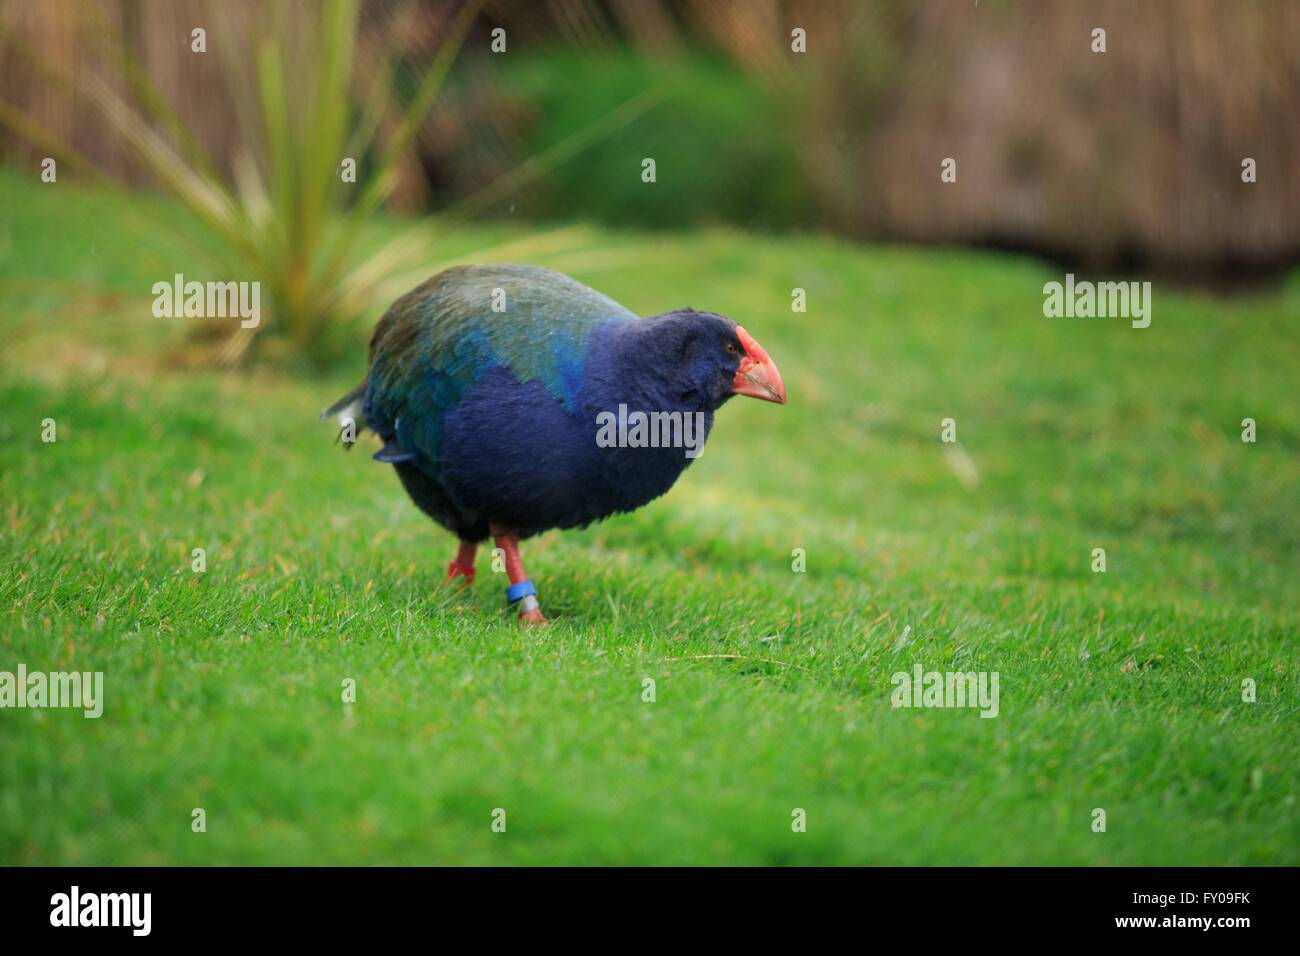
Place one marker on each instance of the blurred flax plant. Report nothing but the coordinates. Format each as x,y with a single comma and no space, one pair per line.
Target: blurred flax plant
285,216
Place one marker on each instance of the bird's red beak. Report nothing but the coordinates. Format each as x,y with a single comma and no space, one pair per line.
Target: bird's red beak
757,376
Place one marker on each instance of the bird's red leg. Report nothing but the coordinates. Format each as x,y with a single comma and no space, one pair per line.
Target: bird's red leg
463,565
529,610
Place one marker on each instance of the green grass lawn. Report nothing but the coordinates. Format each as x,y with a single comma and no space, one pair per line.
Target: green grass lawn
1119,691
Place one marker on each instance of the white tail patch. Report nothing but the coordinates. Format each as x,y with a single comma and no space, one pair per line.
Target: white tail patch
350,411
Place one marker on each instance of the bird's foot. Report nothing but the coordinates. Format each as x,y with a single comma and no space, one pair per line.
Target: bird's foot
523,595
457,570
462,566
533,617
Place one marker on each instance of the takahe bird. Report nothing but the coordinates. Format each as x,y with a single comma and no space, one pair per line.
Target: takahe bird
490,386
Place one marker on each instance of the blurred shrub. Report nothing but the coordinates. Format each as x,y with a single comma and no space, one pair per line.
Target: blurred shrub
1130,157
723,154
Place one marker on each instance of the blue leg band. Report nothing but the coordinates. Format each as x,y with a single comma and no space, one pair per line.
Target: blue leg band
523,589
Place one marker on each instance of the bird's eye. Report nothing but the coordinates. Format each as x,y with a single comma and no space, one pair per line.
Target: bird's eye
731,347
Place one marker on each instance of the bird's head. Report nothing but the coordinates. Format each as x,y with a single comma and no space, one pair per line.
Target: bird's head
712,358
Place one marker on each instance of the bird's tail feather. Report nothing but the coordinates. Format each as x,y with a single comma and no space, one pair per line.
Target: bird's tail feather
348,409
